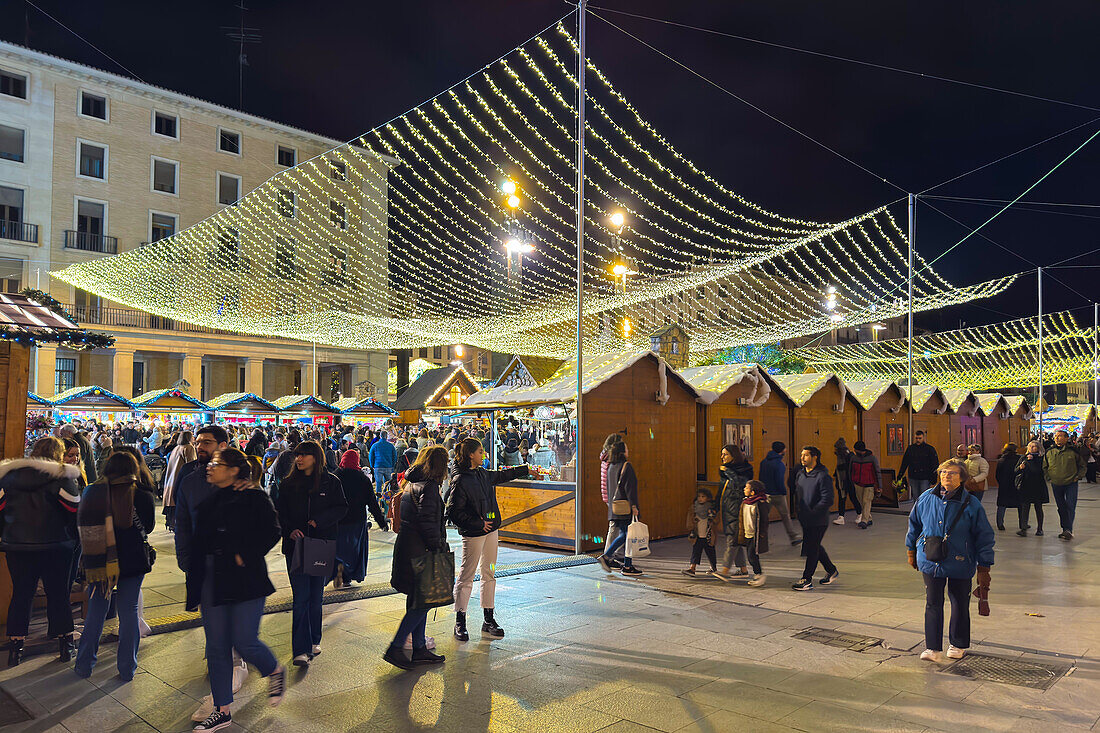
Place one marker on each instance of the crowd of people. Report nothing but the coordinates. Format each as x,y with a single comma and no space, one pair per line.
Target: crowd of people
80,507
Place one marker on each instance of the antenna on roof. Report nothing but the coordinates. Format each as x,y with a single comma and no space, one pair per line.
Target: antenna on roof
242,34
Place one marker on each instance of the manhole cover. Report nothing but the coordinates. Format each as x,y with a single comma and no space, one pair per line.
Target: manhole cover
11,711
831,637
1021,672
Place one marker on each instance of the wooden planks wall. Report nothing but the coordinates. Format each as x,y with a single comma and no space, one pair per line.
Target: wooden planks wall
14,373
770,422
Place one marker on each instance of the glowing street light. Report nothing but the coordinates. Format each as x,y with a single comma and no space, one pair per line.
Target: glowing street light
508,187
513,201
618,221
515,245
836,318
459,351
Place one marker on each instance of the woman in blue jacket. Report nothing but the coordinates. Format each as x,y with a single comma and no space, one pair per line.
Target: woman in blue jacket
947,510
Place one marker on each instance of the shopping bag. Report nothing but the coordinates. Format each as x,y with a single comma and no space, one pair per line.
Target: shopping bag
435,579
637,539
313,557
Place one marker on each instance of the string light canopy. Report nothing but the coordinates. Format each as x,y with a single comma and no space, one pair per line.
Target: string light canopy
997,356
399,238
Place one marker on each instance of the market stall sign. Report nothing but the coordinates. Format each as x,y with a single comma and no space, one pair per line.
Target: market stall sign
550,412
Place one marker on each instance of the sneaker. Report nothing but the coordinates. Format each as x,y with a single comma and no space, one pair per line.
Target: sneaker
929,655
839,520
276,686
830,578
301,660
804,584
758,580
603,563
631,571
1021,533
1039,532
240,674
1067,535
739,573
862,525
870,522
206,707
719,575
953,652
315,650
615,564
688,571
796,542
429,642
215,721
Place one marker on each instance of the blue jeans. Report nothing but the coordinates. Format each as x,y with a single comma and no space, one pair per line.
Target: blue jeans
620,540
414,622
305,614
228,627
126,601
1066,498
918,487
381,476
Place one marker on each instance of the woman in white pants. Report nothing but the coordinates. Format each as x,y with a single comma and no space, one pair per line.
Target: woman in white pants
472,507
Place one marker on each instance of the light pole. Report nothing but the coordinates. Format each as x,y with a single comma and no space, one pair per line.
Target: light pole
578,498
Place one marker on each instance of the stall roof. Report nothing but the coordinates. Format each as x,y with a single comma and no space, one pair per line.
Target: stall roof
363,406
988,402
562,387
37,399
956,397
149,399
867,392
1069,417
920,394
430,384
226,402
799,388
540,368
714,380
1015,402
303,403
22,313
93,398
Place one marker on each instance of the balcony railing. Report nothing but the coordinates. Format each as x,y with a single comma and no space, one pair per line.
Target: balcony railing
100,316
19,231
90,242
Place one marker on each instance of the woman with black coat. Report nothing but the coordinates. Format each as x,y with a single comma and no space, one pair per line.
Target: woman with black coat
235,529
257,444
311,504
1031,485
351,534
735,472
421,530
472,507
1007,495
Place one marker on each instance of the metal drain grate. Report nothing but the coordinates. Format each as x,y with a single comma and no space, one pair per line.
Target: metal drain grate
11,711
831,637
1020,672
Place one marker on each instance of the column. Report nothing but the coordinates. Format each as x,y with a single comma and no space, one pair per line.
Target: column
191,372
309,382
254,376
122,373
356,374
45,370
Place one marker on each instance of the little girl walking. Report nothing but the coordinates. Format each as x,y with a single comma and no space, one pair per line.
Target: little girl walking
703,521
753,528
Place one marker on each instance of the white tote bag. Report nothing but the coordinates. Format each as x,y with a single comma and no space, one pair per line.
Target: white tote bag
637,539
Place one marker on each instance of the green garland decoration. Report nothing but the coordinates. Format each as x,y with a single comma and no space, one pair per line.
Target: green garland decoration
77,338
47,300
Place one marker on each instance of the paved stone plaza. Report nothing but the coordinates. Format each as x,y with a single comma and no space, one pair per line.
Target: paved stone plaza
589,652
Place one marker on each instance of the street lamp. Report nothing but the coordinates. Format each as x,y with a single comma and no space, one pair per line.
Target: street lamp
517,247
875,328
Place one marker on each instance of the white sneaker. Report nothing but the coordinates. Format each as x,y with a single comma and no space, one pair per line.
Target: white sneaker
145,630
929,655
206,707
839,520
302,660
953,652
758,580
240,674
429,642
315,650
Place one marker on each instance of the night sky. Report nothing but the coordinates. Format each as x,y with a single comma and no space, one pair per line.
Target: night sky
341,68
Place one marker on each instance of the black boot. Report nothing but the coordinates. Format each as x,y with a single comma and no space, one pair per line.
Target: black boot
66,647
490,627
460,626
15,652
424,656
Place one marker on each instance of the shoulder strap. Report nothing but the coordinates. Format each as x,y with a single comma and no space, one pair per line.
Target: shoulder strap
962,509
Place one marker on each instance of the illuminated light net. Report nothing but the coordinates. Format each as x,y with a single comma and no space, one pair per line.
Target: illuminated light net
396,239
997,356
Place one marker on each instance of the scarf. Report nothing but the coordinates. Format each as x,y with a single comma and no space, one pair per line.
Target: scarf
101,503
755,498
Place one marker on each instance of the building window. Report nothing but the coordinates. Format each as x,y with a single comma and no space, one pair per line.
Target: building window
139,378
284,257
64,376
86,305
166,176
161,226
229,142
229,188
11,275
437,353
339,170
166,125
240,379
93,105
91,218
287,156
338,214
11,143
455,396
285,202
92,160
423,353
11,205
13,85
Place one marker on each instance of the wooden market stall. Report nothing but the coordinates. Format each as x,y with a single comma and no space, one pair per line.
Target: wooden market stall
304,409
966,420
356,411
37,403
995,430
169,405
444,387
931,414
84,403
1078,419
528,371
883,425
1019,419
242,407
633,393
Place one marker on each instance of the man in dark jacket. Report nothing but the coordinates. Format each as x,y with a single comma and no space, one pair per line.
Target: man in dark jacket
814,491
919,463
192,489
773,472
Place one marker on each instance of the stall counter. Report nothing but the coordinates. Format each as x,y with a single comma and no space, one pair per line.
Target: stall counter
538,513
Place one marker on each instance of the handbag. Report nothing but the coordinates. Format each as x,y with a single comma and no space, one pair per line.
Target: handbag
935,547
620,507
434,574
313,556
135,556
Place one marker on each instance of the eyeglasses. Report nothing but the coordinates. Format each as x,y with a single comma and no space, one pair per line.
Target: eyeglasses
215,463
